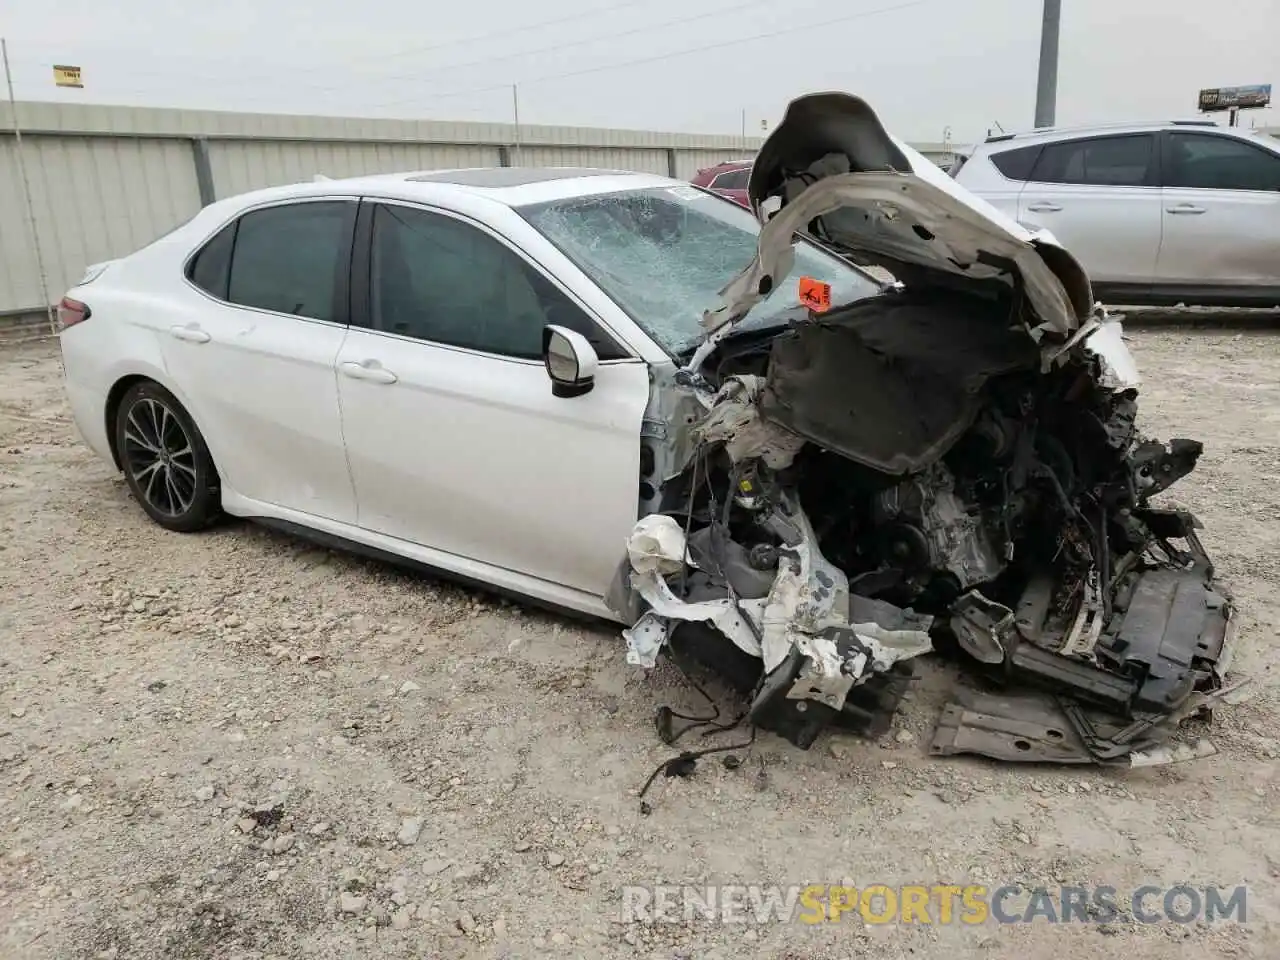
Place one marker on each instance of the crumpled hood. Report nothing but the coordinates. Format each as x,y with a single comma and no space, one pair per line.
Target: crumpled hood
841,176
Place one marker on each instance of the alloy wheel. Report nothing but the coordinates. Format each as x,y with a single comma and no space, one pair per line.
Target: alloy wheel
160,457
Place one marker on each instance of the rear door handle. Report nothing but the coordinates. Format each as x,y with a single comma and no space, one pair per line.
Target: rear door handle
1043,206
370,370
191,333
1185,208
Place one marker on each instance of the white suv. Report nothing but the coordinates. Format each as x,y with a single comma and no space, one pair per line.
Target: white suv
1158,213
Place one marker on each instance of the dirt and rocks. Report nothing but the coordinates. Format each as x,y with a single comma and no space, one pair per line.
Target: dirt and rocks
237,745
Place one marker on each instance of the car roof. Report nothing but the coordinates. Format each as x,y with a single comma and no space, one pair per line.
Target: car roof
509,186
1050,134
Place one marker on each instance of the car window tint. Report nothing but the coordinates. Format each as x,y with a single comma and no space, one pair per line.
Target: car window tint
1016,164
733,180
287,258
210,267
1100,161
1219,163
436,278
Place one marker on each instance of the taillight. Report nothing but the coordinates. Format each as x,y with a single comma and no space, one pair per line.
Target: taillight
71,312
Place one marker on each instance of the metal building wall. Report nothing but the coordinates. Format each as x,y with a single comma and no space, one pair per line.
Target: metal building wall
609,158
94,199
241,165
107,180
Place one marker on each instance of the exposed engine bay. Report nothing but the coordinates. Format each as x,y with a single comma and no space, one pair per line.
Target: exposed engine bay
943,466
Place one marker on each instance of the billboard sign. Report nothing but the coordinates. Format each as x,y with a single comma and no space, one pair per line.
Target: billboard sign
64,76
1235,98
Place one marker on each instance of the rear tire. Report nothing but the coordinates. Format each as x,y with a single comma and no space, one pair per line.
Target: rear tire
165,460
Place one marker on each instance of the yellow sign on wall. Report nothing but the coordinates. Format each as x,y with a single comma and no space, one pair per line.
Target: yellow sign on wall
67,77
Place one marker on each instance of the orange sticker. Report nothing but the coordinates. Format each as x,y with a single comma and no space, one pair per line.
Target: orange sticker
815,294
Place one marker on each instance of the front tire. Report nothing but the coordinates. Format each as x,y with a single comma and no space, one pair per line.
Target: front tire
165,460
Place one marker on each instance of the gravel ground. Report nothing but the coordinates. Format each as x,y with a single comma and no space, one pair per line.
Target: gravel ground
237,745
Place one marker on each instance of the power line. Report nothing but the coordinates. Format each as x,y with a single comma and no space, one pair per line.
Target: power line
481,61
809,25
736,7
805,26
395,54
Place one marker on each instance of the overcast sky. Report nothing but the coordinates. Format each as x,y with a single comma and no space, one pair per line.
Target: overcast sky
924,65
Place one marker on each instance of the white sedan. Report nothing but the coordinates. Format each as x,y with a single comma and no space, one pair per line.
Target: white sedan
619,394
364,359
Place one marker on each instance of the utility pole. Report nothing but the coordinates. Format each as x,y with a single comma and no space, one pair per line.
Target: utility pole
26,190
515,109
1047,84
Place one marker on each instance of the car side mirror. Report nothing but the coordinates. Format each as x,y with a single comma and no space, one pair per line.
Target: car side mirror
570,359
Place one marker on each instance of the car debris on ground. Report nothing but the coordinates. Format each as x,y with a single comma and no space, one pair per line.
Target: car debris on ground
953,464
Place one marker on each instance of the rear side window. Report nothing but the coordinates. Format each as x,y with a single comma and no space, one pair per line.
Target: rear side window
212,265
288,258
1219,163
733,180
1123,161
1017,164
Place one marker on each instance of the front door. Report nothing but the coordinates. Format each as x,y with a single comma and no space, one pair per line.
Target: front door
254,351
453,435
1221,212
1100,198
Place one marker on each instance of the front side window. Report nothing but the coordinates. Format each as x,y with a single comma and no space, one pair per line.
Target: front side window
288,258
1219,163
1123,161
435,278
664,253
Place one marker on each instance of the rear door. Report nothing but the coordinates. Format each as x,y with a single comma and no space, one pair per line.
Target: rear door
1221,208
454,437
1100,197
254,353
1001,176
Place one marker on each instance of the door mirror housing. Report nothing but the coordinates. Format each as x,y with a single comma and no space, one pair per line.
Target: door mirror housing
570,360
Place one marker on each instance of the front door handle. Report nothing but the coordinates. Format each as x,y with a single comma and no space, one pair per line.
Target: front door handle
1185,208
370,370
191,333
1043,206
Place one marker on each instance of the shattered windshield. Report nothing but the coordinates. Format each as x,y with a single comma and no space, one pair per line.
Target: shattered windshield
664,253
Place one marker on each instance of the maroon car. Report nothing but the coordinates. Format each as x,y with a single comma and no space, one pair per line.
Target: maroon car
729,179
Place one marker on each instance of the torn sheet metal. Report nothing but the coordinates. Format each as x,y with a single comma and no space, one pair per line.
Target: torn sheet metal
807,610
1040,728
657,549
643,647
735,421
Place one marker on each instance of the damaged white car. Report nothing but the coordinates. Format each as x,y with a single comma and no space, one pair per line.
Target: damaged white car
953,462
538,380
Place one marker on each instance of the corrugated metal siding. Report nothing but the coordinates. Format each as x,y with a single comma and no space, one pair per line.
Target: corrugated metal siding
241,165
689,162
607,158
94,199
19,283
